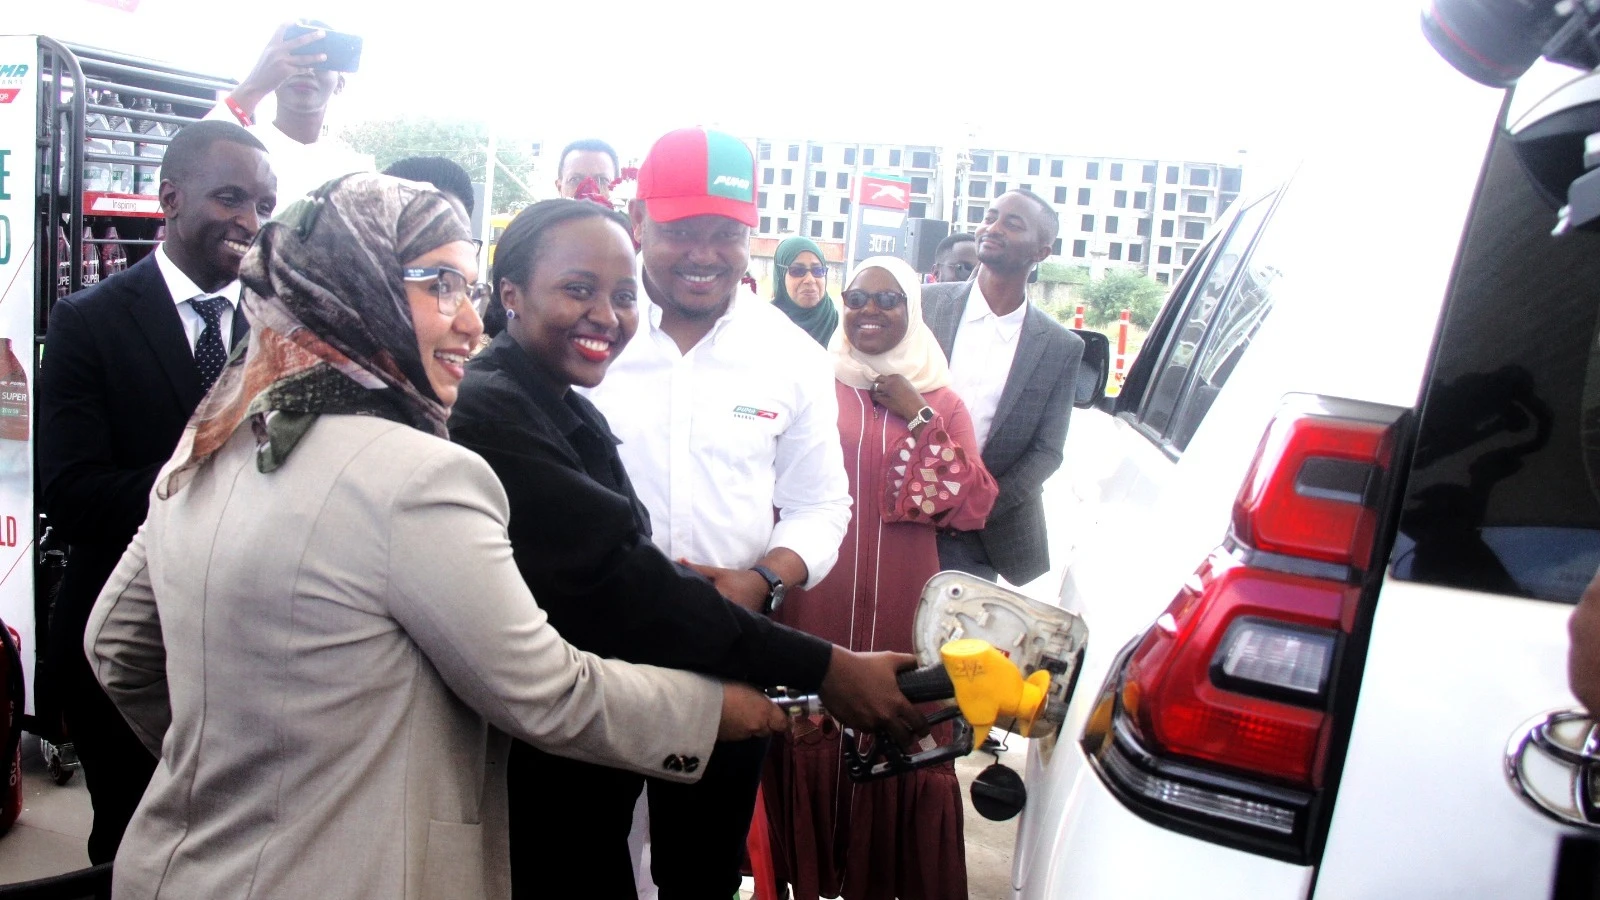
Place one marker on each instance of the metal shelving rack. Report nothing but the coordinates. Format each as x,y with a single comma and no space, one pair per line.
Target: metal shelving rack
67,73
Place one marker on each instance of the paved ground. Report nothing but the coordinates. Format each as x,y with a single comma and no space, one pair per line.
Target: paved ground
989,844
48,838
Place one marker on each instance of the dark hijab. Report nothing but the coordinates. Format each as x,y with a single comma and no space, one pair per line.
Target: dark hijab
819,321
331,329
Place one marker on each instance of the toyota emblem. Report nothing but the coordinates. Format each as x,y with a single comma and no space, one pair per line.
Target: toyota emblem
1553,763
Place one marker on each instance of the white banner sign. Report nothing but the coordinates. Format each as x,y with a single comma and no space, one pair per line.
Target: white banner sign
19,88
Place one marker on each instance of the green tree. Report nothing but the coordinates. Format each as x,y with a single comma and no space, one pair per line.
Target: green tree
1121,289
467,143
1063,273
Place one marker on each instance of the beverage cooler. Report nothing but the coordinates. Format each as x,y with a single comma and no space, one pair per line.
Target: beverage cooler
82,133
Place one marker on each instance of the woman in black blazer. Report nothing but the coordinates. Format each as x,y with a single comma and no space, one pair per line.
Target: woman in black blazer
564,271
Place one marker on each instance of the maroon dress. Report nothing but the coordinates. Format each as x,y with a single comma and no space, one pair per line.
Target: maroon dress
897,837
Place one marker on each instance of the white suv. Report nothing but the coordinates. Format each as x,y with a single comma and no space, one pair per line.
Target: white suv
1353,491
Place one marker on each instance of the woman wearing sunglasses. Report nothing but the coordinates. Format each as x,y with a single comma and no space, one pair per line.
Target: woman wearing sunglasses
914,468
320,629
800,288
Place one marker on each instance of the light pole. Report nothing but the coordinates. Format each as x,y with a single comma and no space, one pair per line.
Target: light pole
487,217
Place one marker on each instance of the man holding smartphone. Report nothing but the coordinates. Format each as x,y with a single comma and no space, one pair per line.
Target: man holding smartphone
303,69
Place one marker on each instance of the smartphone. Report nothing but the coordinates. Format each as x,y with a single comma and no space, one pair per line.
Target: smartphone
343,50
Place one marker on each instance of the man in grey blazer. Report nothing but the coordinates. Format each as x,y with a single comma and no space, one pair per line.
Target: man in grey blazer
1014,367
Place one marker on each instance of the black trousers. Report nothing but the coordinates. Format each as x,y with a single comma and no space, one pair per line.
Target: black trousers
698,831
569,827
570,823
116,766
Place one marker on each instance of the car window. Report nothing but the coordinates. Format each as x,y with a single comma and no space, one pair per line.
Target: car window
1237,319
1188,344
1130,399
1504,492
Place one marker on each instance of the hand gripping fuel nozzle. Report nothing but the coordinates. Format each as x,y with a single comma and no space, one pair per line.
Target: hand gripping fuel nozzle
986,686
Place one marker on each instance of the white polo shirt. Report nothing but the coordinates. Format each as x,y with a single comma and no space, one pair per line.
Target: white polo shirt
980,360
716,438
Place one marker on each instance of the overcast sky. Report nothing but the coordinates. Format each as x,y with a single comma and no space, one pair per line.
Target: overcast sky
1166,78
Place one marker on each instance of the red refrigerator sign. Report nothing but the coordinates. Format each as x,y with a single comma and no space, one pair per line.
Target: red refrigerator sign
886,193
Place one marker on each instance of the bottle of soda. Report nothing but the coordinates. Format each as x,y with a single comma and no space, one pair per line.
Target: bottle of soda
64,95
113,258
167,128
13,395
96,173
63,264
147,176
91,259
121,173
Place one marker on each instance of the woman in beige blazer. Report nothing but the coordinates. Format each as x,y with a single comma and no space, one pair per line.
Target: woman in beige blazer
320,629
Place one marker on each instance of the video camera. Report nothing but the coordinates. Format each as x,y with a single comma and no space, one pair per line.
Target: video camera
1494,42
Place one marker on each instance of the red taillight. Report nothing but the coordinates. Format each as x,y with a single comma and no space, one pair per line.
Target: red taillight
1231,624
1237,672
1306,494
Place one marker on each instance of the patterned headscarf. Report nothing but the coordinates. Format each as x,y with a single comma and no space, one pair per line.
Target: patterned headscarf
819,321
331,329
917,356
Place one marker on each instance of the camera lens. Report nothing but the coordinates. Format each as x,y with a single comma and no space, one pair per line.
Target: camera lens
1490,41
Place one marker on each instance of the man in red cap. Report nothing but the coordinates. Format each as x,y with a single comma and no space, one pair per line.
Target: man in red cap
725,412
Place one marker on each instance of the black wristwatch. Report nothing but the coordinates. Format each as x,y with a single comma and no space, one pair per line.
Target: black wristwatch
923,417
775,589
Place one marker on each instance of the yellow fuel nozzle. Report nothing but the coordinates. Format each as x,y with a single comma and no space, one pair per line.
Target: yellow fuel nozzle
989,686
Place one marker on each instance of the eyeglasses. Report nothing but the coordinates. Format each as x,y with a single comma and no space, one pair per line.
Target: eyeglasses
886,300
451,288
800,271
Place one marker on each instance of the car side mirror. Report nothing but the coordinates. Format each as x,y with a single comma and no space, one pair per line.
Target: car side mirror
1095,372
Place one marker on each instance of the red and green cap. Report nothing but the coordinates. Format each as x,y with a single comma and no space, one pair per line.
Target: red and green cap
699,172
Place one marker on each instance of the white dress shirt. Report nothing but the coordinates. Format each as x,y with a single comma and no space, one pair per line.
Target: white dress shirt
980,360
716,438
301,168
183,289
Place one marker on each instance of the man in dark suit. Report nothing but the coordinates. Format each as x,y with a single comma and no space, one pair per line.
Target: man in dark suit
1014,367
125,364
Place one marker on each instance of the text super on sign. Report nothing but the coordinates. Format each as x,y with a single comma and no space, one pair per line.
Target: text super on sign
11,75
